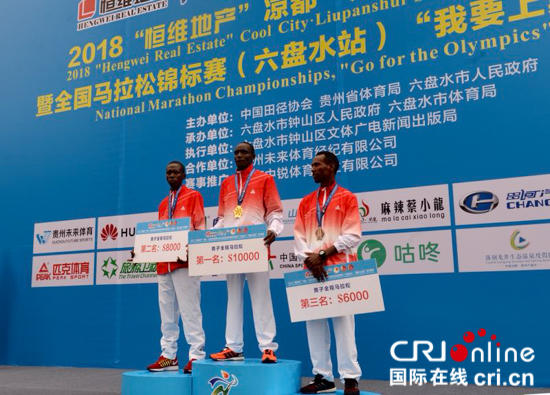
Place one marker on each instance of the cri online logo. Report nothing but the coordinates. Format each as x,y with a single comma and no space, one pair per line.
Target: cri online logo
517,242
222,385
109,231
460,352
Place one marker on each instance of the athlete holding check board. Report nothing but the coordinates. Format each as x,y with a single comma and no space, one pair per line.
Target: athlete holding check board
249,197
326,230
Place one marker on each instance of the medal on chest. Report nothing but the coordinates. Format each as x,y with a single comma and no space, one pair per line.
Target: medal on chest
320,233
172,202
238,212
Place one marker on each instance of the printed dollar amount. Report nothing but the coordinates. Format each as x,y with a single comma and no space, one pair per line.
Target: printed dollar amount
171,247
244,257
353,296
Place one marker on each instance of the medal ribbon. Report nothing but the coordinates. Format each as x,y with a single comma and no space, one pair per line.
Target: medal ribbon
321,212
240,196
172,202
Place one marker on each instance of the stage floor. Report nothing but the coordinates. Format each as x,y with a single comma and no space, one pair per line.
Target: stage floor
22,380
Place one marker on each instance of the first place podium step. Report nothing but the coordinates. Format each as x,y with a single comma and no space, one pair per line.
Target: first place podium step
248,377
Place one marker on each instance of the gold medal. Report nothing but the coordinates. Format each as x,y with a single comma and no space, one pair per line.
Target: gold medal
320,233
238,211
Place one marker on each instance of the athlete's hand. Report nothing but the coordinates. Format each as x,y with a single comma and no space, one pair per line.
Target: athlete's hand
316,266
270,238
132,256
181,261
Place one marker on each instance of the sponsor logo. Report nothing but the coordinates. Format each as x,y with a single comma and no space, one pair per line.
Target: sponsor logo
528,199
109,267
372,249
364,211
292,213
43,273
44,237
424,350
223,385
114,10
166,224
479,202
412,209
64,271
517,242
109,231
64,236
86,9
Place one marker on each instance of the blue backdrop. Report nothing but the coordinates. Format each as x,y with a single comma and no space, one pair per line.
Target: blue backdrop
81,163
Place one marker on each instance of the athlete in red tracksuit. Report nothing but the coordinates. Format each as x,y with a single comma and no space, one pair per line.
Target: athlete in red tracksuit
326,230
179,294
260,204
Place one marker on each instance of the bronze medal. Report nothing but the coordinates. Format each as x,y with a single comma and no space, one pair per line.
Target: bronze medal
320,233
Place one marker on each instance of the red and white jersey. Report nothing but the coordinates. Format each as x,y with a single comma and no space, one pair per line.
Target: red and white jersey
190,204
341,225
261,203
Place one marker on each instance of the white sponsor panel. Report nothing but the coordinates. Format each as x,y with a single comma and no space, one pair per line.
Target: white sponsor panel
113,267
61,236
211,215
228,251
505,248
119,231
283,259
63,270
419,207
351,288
162,241
409,253
503,200
290,210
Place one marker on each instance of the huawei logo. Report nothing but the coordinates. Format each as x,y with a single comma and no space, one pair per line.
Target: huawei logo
109,231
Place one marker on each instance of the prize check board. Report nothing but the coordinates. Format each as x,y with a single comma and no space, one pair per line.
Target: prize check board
351,288
228,251
161,241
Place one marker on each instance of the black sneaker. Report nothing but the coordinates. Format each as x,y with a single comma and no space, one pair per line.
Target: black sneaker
351,387
319,386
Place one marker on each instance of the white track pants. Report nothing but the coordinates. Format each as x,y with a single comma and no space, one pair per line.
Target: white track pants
180,294
318,336
262,309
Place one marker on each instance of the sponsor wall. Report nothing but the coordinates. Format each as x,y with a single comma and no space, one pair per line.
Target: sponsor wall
433,109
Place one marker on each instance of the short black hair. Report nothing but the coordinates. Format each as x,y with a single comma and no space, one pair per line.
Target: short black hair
177,162
330,159
250,145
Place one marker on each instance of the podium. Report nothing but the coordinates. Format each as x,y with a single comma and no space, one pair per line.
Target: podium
144,382
250,376
221,378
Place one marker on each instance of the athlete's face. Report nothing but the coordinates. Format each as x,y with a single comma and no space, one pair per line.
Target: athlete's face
321,170
243,156
174,175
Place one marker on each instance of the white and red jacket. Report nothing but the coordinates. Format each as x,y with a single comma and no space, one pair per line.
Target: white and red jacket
261,204
190,204
341,225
